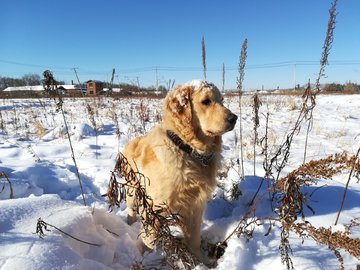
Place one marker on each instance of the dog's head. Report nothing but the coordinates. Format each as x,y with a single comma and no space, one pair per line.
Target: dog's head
195,110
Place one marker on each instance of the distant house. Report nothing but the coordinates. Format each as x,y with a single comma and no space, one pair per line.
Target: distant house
70,89
94,87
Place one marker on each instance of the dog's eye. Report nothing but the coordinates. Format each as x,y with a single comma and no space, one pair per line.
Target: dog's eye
206,102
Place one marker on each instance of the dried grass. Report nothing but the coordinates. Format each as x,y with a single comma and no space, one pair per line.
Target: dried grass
39,130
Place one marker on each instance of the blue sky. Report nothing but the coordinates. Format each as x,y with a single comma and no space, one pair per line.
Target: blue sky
136,36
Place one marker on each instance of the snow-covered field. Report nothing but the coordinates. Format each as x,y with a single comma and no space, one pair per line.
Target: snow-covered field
36,156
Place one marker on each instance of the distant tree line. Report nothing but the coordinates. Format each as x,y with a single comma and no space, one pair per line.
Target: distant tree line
126,89
25,80
336,87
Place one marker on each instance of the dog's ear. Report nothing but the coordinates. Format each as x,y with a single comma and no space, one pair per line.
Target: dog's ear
178,103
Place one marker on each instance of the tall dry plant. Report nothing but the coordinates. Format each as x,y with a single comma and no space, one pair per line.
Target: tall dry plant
143,114
310,124
2,124
280,159
117,126
323,62
256,106
15,119
265,152
264,145
50,88
203,56
327,43
156,219
45,113
92,113
309,97
286,190
242,63
239,82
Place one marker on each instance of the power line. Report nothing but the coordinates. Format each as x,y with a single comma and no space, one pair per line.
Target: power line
258,66
30,65
188,69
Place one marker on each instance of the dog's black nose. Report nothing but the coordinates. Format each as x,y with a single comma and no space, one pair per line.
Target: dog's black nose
231,118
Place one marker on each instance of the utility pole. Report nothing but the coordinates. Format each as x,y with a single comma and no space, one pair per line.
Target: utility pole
110,91
295,76
79,82
118,83
138,84
157,85
107,82
223,77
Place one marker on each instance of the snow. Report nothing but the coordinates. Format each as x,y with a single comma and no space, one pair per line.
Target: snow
25,88
198,83
45,183
38,88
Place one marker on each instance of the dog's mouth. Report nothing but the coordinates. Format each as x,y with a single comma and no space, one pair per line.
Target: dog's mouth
210,134
213,134
231,127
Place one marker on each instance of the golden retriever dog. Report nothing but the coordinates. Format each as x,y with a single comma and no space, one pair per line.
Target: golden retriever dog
182,155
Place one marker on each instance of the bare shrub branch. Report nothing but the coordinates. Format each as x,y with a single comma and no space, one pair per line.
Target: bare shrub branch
292,203
42,225
50,87
353,167
156,220
2,174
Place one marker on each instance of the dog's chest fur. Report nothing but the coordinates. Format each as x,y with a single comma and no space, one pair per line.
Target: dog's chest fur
175,177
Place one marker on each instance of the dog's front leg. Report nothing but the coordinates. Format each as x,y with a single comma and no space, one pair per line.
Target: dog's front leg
131,210
193,236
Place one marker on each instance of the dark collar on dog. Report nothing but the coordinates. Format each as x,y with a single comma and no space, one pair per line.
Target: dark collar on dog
203,159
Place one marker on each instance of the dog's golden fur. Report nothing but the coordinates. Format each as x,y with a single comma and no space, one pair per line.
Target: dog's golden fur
193,111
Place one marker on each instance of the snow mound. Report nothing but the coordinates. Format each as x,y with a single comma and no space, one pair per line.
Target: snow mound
76,131
22,249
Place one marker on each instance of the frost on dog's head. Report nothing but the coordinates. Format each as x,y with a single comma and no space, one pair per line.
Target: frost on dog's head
178,110
199,84
178,100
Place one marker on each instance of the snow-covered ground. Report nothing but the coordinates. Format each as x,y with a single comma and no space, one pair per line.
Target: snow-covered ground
36,156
